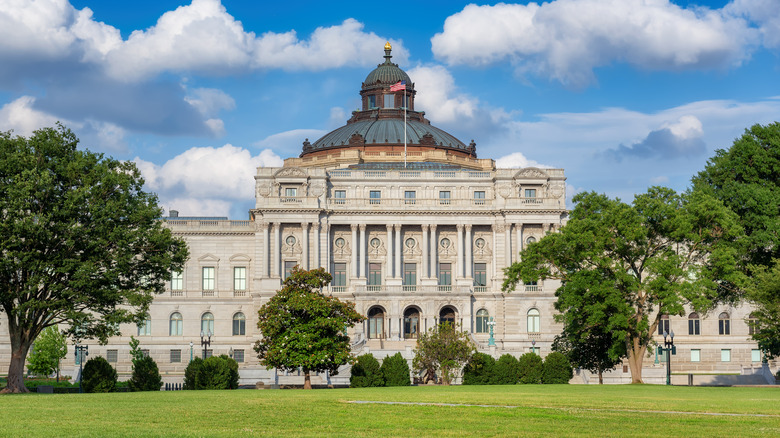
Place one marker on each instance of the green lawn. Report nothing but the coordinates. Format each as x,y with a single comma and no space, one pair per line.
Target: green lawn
552,410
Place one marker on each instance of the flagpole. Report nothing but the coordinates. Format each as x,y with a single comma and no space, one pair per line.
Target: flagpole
404,128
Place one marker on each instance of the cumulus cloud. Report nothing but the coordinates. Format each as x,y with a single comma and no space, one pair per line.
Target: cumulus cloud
765,13
290,143
22,118
517,160
673,140
206,180
566,39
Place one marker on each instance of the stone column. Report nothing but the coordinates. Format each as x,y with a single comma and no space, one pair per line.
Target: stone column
363,257
520,243
277,249
468,248
508,244
434,250
326,229
266,250
425,259
460,263
389,245
397,251
317,245
355,267
305,245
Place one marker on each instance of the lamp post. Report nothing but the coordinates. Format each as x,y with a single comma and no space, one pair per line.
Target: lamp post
205,342
191,345
491,341
230,352
533,346
81,352
670,350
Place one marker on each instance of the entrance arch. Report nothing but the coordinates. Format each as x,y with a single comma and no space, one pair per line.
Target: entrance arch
447,315
411,323
376,323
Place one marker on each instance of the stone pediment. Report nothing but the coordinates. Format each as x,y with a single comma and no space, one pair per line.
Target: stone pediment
208,258
240,258
290,172
531,173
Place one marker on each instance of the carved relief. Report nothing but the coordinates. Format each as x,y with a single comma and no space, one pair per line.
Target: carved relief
481,246
447,246
411,245
291,245
376,247
341,247
264,188
505,190
290,172
557,189
317,189
531,172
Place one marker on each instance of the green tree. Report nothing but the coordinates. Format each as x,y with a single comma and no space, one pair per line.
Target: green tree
636,262
82,242
444,348
366,372
506,371
50,348
218,372
590,350
531,366
479,369
302,328
556,369
395,371
146,374
98,376
764,291
192,372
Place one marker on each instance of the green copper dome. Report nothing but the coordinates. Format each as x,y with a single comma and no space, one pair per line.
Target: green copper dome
387,73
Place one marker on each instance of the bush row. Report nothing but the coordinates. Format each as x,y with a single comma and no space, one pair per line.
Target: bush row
482,369
216,372
367,372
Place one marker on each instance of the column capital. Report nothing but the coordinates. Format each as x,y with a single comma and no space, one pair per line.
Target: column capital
433,227
459,227
425,227
362,227
397,227
468,227
315,226
304,225
389,227
353,227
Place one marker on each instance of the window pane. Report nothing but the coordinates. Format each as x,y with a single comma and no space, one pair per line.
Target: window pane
409,197
208,278
480,274
177,281
207,324
176,325
339,274
725,355
389,101
175,356
145,329
445,274
479,198
111,356
291,192
533,321
375,196
696,355
410,273
755,355
444,197
374,274
288,267
239,324
530,193
340,196
372,101
239,278
238,356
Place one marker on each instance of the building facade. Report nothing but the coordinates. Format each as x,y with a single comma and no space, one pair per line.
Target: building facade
415,230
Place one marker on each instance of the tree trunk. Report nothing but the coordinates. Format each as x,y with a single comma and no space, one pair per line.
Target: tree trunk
601,377
306,379
636,354
19,349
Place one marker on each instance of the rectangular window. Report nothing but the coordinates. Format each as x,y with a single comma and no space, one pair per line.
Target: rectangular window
375,196
238,356
662,354
663,325
410,197
175,356
111,356
145,328
340,196
696,355
480,274
288,267
389,100
693,326
725,355
530,193
339,274
410,274
374,274
372,101
724,326
208,278
290,192
444,197
445,274
239,278
479,198
177,281
755,355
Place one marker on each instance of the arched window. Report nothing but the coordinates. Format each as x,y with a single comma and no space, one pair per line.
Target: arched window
530,240
376,323
724,324
482,321
176,324
411,323
533,321
693,324
207,324
447,316
663,325
239,324
752,323
145,328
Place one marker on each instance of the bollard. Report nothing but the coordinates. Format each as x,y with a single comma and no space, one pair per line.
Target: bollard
690,379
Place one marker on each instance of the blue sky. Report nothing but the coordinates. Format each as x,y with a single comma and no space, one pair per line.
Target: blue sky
622,94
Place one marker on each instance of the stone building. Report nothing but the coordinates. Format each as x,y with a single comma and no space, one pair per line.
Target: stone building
414,228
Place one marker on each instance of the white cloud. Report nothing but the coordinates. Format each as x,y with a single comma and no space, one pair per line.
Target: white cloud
209,101
22,118
517,160
764,12
206,180
659,180
566,39
290,143
437,93
682,138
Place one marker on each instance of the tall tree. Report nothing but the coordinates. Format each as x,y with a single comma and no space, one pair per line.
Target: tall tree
82,243
302,328
444,348
656,256
764,291
49,349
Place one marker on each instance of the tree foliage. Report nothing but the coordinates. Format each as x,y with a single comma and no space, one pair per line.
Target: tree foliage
98,376
82,242
217,372
191,373
506,371
556,369
146,374
51,347
302,328
531,366
479,369
765,292
590,349
623,266
366,373
444,348
395,371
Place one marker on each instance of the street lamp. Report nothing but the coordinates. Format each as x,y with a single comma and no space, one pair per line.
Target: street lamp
81,352
491,341
191,345
670,350
205,342
533,346
230,352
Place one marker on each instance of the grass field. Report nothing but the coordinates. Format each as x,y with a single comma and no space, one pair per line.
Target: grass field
547,410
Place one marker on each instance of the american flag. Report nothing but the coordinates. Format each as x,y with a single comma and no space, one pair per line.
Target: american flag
398,86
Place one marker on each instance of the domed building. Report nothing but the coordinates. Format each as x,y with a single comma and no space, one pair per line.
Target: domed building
415,230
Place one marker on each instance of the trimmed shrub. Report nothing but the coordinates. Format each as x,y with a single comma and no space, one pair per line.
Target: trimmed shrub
218,372
395,371
530,368
366,373
191,373
98,376
479,369
556,369
146,375
506,371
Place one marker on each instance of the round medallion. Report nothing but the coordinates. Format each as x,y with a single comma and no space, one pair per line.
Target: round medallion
530,240
375,243
290,240
340,242
480,243
445,243
410,243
